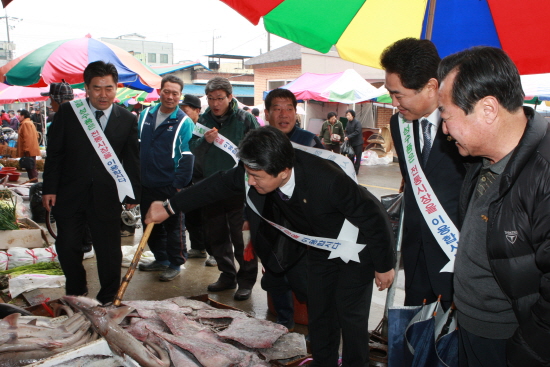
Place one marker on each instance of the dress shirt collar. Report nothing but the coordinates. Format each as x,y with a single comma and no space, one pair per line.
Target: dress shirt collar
434,118
106,114
288,188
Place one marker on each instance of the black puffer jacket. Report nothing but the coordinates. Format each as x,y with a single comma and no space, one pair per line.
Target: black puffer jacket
518,241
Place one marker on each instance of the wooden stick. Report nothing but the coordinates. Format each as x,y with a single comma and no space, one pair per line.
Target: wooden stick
133,264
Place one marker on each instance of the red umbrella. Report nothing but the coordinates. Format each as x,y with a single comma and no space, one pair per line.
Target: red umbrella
361,29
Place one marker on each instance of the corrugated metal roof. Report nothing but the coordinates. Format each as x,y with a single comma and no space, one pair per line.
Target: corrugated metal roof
292,51
161,70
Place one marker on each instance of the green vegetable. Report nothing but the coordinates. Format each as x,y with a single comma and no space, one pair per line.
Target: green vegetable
8,219
49,268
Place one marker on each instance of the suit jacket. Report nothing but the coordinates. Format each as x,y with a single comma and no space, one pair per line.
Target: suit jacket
445,172
327,196
73,170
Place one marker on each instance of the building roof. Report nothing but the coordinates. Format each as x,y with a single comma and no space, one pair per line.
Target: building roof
238,91
161,70
292,51
226,56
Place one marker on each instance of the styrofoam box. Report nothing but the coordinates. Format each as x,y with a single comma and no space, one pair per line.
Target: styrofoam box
99,346
28,238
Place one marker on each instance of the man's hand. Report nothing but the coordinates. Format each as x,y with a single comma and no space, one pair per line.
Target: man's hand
156,213
211,135
384,280
346,138
130,206
48,201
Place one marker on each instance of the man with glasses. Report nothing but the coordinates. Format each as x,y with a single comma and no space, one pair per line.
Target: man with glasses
166,168
223,220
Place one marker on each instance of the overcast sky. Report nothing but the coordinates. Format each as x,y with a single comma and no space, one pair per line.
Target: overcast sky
189,25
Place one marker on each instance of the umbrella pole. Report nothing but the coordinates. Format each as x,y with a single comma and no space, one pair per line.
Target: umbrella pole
391,291
133,264
305,115
430,24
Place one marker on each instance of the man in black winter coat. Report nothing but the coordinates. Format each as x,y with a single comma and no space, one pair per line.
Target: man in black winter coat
278,178
502,268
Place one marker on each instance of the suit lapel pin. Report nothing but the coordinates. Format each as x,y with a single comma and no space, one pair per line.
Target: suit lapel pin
305,201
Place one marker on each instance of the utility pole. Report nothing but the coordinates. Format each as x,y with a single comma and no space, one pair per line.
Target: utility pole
213,39
268,41
9,54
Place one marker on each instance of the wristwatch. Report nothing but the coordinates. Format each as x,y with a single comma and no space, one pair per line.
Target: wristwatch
168,207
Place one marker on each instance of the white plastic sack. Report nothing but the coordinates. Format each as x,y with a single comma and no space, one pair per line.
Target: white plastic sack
19,256
44,255
370,158
3,260
21,210
28,282
128,253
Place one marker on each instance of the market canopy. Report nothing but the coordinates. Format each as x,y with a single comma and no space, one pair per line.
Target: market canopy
344,87
362,29
536,86
13,93
67,59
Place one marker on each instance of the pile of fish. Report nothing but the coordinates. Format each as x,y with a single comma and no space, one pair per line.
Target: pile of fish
177,332
26,339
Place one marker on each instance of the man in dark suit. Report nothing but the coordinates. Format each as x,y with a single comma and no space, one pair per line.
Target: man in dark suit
411,79
80,190
281,177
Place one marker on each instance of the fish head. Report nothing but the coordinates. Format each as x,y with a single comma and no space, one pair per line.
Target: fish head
83,304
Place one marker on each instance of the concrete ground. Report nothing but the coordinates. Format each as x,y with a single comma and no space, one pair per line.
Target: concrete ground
193,280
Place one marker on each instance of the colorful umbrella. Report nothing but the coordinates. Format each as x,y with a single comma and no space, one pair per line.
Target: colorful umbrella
361,29
125,94
67,60
13,93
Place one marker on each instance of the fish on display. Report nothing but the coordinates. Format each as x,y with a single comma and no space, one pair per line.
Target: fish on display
8,309
254,333
105,321
25,340
92,360
176,332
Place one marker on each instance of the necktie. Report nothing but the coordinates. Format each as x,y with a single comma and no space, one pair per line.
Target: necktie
282,195
98,115
427,141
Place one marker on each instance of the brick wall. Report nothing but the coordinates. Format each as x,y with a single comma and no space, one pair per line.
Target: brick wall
383,116
262,75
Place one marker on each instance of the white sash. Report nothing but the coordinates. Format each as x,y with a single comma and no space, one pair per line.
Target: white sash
221,141
441,226
343,162
345,247
103,148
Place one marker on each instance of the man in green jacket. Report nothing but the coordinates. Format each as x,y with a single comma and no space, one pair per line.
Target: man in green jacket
332,133
223,220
